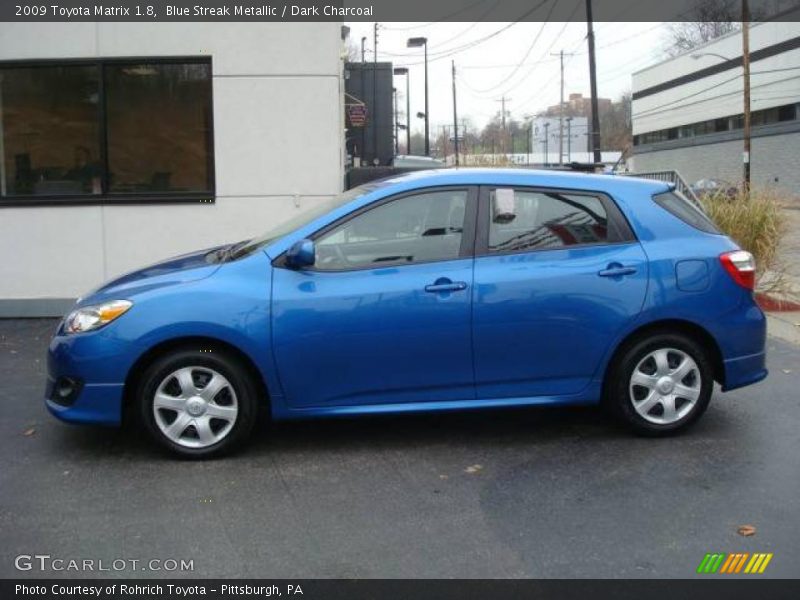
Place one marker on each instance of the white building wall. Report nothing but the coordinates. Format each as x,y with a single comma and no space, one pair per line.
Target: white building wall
718,95
278,146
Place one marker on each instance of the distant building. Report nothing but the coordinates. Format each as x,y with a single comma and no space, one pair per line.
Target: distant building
546,134
578,106
688,111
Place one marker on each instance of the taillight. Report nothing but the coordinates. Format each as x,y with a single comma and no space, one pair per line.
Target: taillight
741,266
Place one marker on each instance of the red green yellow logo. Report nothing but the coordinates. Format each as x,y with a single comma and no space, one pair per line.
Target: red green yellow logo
737,562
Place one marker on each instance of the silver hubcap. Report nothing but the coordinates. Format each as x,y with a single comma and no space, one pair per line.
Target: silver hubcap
665,386
195,407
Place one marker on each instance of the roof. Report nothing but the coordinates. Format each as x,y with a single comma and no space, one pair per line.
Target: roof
527,177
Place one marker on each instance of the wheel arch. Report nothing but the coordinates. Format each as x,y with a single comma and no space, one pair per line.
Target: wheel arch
687,328
191,342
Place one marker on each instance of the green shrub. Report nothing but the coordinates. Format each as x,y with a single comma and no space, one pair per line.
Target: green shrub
754,221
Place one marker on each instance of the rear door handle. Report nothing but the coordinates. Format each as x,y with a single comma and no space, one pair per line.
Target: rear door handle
616,271
445,285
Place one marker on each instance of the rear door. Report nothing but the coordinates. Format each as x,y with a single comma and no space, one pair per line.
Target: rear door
558,273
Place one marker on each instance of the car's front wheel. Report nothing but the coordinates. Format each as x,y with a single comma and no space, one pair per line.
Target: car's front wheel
197,403
661,384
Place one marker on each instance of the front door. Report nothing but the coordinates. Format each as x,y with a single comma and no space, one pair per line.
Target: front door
384,314
557,275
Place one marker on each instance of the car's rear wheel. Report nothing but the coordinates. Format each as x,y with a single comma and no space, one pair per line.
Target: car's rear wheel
661,384
197,403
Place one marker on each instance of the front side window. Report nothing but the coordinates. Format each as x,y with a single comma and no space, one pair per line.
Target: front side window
523,220
105,128
419,228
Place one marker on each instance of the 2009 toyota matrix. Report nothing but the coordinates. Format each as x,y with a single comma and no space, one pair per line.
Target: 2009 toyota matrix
438,290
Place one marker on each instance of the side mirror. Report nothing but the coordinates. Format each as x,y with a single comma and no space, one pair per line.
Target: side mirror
301,254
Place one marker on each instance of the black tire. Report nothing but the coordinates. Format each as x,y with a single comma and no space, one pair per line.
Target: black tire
618,395
246,398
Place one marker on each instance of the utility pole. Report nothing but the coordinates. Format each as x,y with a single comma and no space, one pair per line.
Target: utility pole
455,112
593,84
746,82
561,110
503,101
374,92
363,41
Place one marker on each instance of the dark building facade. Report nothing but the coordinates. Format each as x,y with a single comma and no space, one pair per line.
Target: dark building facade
371,84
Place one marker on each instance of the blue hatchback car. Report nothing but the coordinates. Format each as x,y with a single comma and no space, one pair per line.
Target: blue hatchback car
438,290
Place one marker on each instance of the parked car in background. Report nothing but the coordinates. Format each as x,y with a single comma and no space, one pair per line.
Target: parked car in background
710,187
436,290
408,161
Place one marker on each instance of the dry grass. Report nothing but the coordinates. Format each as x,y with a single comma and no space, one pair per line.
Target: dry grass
755,222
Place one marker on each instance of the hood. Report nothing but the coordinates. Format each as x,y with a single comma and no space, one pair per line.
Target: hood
181,269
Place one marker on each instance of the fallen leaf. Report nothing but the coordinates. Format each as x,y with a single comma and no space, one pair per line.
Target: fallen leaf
473,469
746,530
29,432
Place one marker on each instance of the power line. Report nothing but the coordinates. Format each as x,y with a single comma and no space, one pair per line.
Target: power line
527,52
445,18
473,43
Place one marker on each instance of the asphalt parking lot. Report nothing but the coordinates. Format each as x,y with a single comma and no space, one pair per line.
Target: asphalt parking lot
534,493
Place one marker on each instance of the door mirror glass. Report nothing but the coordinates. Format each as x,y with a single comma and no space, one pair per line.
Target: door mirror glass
503,205
301,254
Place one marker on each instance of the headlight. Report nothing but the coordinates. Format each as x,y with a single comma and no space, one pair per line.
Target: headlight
89,318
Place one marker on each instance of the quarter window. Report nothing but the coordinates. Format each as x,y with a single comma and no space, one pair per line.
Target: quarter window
531,220
420,228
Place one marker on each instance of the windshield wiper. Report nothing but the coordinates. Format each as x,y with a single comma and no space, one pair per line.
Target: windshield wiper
225,253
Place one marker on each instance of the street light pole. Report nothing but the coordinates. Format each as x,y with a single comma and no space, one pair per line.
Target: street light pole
546,135
569,139
404,71
455,113
416,42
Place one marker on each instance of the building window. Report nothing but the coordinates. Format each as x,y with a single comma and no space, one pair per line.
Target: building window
106,131
787,112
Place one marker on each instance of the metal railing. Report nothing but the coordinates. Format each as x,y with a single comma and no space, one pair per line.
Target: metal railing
671,177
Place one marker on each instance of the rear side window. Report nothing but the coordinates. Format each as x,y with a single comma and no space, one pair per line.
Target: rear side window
522,220
680,206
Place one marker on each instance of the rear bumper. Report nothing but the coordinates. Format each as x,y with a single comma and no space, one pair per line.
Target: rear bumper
745,370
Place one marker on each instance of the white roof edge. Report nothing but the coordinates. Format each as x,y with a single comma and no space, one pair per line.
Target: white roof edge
696,48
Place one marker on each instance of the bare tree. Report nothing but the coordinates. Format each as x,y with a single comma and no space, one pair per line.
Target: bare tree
710,19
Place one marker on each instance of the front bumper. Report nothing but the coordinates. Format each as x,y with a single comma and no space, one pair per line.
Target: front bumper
99,362
99,404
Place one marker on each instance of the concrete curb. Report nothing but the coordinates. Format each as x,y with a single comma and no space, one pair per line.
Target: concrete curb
784,326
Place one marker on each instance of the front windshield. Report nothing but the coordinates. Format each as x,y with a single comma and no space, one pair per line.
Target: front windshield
302,219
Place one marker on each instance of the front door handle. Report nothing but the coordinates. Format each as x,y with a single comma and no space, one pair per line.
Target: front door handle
616,270
443,284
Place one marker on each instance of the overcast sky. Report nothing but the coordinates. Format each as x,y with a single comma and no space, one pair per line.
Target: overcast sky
518,62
